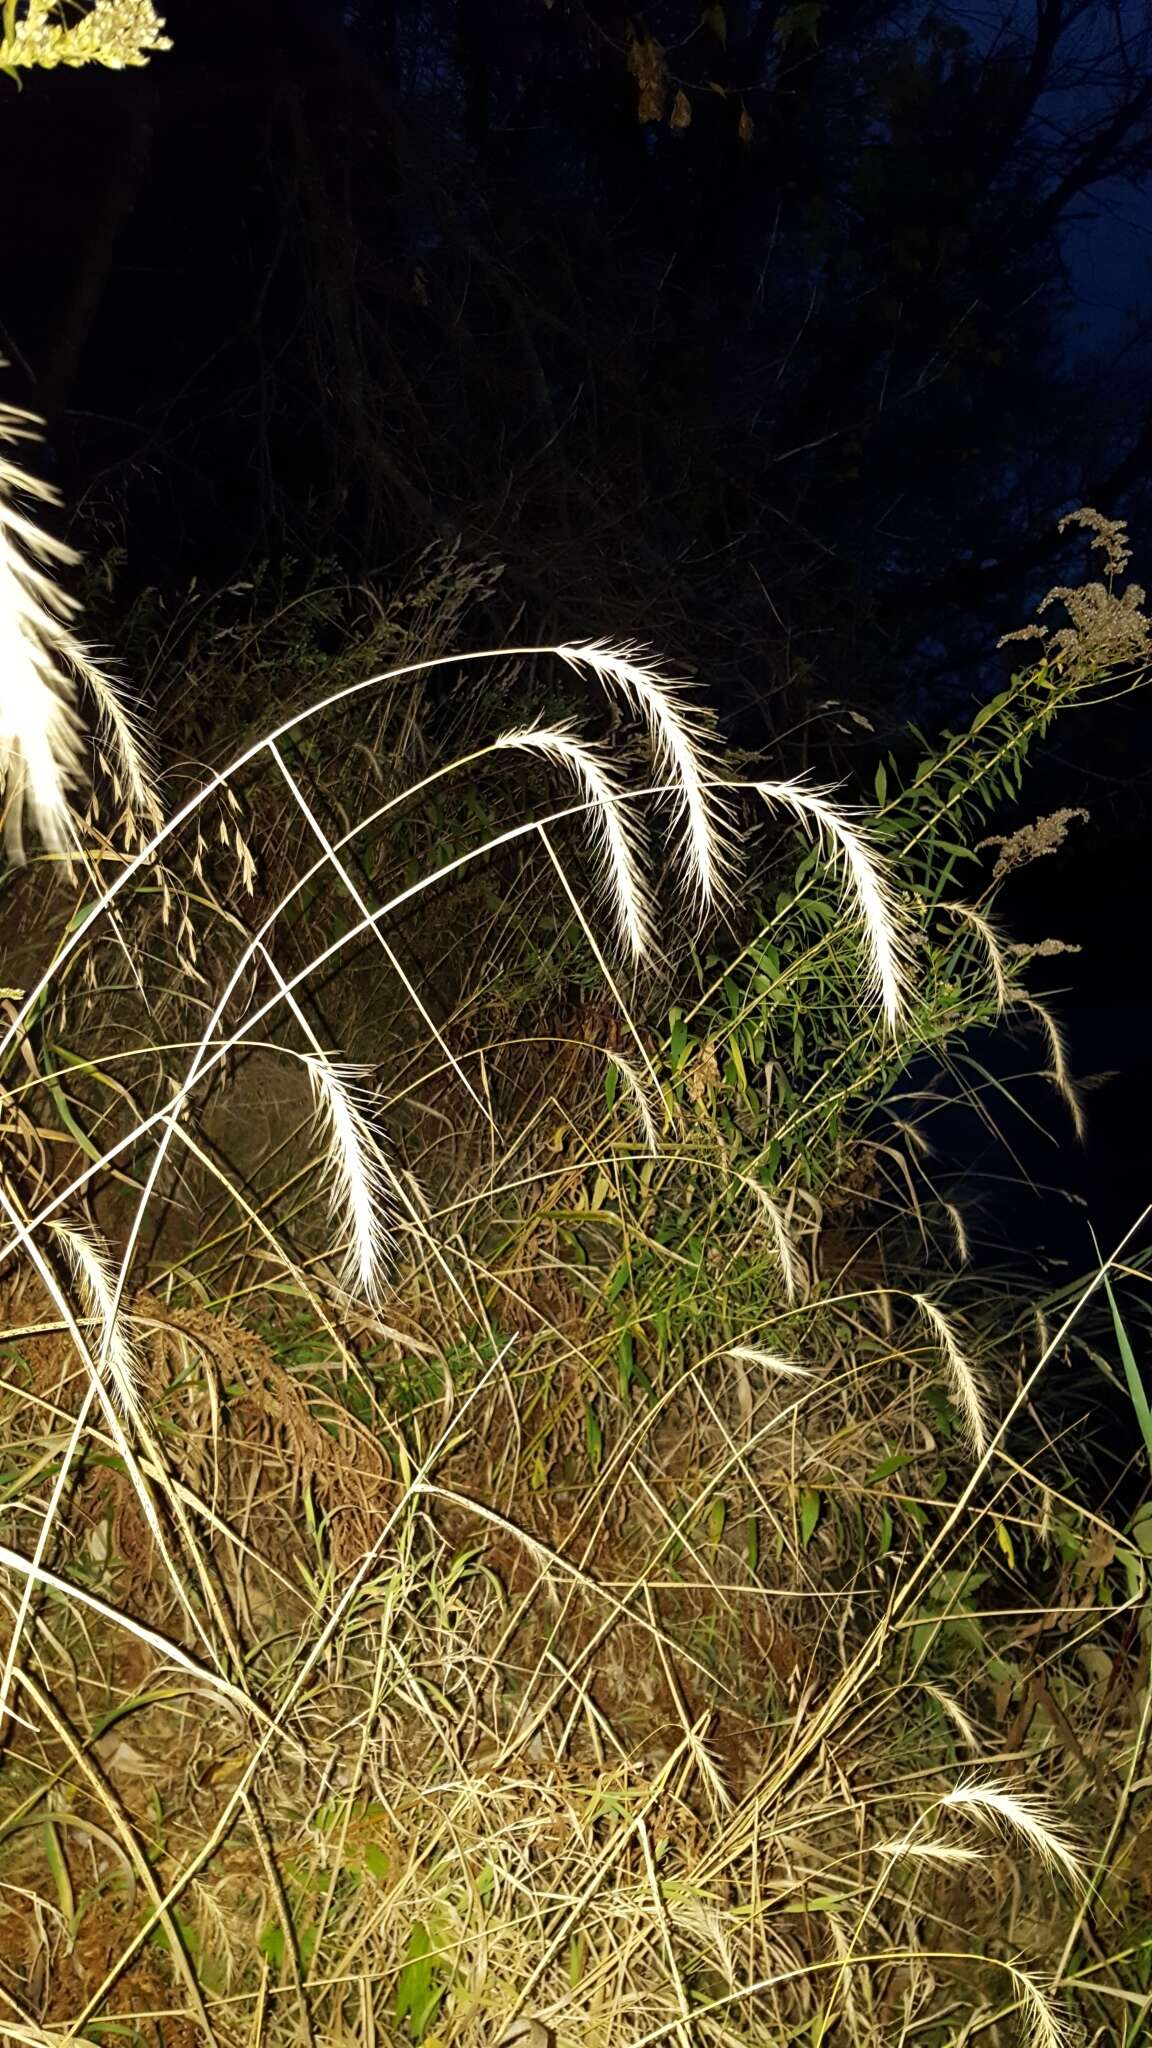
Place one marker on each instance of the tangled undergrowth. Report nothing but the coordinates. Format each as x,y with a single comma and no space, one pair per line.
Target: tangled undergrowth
524,1528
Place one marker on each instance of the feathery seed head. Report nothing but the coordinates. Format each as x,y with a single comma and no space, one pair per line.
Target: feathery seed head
1047,2026
1019,1814
614,829
793,1270
943,1853
116,1354
645,1101
42,755
994,947
956,1714
772,1361
1060,1074
884,923
683,739
360,1180
970,1395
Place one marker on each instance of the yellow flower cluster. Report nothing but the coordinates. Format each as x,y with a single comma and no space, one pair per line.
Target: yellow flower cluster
113,32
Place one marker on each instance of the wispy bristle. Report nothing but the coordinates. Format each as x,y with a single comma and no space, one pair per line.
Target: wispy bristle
684,744
1060,1073
115,1353
1019,1814
943,1853
1047,2027
640,1096
969,1393
130,746
793,1270
882,919
956,1714
959,1232
614,831
993,946
42,756
360,1186
772,1361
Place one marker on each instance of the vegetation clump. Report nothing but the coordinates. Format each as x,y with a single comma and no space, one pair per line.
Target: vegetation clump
519,1522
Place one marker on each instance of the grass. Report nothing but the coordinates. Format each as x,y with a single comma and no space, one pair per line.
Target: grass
521,1528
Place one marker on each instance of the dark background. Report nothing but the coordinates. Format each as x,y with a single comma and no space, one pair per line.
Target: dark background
780,335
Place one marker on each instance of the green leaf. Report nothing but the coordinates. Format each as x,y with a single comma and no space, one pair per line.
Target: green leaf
810,1505
414,1984
737,1072
1138,1397
800,20
989,710
887,1466
617,1281
271,1943
593,1436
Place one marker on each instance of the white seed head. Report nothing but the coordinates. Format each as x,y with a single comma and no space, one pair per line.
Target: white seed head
684,744
883,921
614,829
1018,1813
361,1183
42,751
970,1394
771,1361
646,1102
116,1355
793,1270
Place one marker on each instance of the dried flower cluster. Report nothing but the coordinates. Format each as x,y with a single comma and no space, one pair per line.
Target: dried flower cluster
1106,628
1031,842
116,33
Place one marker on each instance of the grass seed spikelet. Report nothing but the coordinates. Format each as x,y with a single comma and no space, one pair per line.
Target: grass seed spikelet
643,1098
771,1361
969,1393
1059,1073
869,885
994,948
42,748
116,1354
1018,1813
684,744
614,831
360,1181
793,1270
